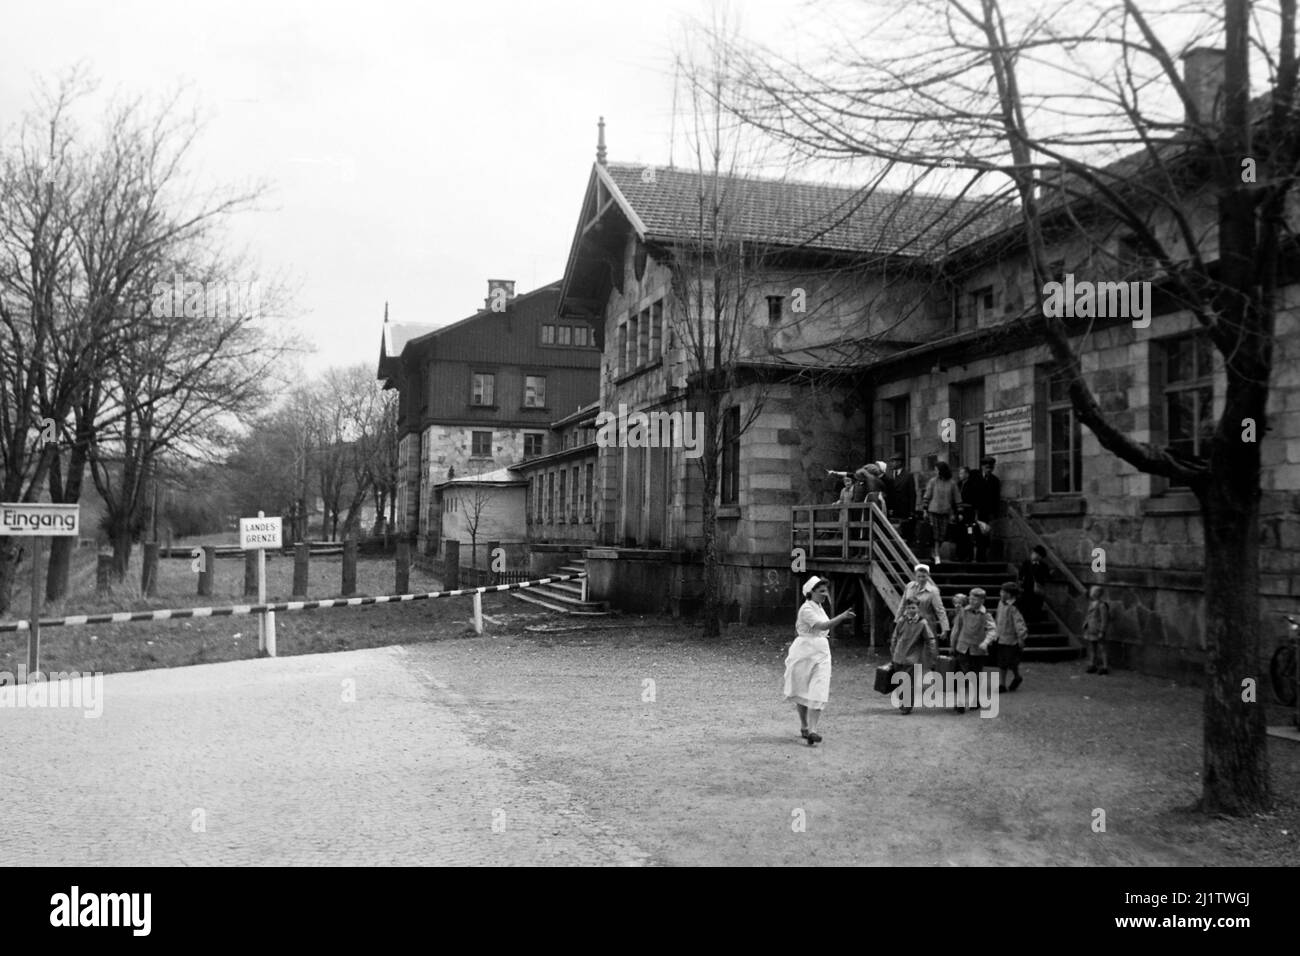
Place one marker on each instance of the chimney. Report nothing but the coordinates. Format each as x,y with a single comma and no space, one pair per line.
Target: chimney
600,141
1203,76
500,291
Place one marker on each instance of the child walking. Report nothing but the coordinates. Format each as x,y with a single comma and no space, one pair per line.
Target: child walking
1095,625
912,639
1011,635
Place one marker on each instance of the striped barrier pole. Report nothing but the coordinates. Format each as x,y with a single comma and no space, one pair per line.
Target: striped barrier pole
126,617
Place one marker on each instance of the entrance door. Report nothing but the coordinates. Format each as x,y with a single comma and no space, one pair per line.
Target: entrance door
969,403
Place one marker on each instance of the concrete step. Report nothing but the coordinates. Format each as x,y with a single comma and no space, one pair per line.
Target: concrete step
577,608
571,569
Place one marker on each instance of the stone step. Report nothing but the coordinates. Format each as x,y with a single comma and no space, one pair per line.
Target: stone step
571,569
563,606
568,587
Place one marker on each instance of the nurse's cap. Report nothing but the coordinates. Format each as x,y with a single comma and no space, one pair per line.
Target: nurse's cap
811,583
921,567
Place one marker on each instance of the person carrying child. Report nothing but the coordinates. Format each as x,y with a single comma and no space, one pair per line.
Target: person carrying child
1010,635
1095,625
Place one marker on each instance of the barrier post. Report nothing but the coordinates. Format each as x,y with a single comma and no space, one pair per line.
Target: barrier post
478,612
250,571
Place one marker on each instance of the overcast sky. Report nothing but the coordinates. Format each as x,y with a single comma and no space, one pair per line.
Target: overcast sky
413,149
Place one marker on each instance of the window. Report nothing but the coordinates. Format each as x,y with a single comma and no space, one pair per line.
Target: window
533,444
562,514
622,348
550,496
591,474
643,339
480,444
534,391
656,329
982,302
1189,394
548,335
731,456
565,336
528,503
482,389
580,335
631,362
774,303
1064,441
900,428
574,504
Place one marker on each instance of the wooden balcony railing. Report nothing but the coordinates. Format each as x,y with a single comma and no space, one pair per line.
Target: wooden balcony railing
858,537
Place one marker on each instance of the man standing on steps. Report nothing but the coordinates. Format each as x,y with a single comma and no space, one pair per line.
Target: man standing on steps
988,504
901,497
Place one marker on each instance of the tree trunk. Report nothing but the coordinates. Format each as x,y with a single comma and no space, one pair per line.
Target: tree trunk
61,548
121,553
1234,778
10,554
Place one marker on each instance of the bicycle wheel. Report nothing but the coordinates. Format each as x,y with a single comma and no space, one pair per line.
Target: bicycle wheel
1281,670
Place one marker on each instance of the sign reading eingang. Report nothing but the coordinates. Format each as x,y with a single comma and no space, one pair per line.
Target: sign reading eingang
24,519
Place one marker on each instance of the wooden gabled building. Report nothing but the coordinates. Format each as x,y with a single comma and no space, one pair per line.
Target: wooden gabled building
480,394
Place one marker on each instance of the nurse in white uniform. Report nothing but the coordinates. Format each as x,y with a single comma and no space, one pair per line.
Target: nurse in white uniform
808,665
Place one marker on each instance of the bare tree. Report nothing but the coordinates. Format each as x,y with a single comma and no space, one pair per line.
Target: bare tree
1077,120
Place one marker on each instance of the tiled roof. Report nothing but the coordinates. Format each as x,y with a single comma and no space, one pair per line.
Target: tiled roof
800,214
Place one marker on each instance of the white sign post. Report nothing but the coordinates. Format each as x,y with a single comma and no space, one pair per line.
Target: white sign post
39,521
259,534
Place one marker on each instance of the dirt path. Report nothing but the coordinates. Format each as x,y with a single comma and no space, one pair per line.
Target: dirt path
712,771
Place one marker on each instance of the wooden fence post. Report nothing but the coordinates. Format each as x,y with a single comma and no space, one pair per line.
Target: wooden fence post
450,565
208,574
301,568
250,572
403,566
103,573
149,569
350,566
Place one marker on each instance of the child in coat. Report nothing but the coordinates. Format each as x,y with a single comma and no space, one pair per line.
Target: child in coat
1011,636
1095,625
912,639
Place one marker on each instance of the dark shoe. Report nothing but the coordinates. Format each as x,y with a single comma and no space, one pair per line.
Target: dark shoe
1092,669
1016,683
803,732
814,739
1104,670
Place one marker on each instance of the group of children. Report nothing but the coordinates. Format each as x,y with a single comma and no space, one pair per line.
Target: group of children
977,634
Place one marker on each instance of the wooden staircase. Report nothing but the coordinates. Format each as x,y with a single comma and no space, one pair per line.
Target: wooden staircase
563,596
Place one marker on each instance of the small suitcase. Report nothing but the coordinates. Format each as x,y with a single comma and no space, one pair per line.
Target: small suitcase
945,663
884,683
